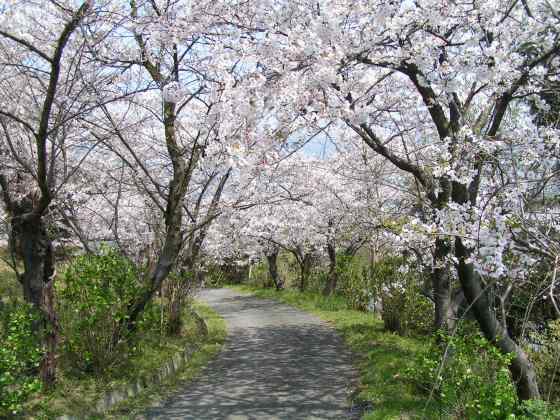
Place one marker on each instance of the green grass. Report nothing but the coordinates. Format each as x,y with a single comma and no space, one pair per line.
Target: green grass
79,395
209,348
382,356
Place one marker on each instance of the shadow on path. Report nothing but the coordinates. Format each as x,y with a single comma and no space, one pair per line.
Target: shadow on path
277,363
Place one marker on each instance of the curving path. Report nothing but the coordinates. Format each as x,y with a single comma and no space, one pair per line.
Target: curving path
277,363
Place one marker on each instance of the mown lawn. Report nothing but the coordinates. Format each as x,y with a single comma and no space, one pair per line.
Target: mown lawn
382,357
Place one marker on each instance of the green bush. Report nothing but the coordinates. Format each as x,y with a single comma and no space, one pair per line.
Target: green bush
404,309
547,361
214,277
356,282
537,410
20,354
93,301
259,275
474,381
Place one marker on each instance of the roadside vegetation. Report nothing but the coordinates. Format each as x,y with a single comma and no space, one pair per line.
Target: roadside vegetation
405,370
94,355
401,156
382,356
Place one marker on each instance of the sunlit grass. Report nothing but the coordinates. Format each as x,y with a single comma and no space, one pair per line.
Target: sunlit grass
78,396
382,357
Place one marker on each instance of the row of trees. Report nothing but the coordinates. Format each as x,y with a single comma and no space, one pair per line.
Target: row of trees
171,130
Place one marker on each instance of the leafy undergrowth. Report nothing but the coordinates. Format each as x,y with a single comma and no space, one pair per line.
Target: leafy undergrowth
78,396
10,289
382,357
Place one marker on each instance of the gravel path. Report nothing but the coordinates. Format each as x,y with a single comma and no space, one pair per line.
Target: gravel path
277,363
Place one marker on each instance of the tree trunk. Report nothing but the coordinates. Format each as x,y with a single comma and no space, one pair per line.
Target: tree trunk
179,289
482,307
155,280
521,368
441,286
178,185
273,270
175,320
332,277
441,282
30,239
305,270
50,337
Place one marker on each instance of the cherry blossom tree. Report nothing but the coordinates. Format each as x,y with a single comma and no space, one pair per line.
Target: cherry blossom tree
431,86
44,98
168,56
172,130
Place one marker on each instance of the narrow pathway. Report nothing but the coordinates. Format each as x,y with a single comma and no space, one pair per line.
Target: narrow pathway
277,363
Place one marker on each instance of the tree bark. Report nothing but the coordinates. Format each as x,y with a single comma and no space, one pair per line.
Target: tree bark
200,323
182,173
332,276
30,239
441,286
521,368
175,319
481,305
50,336
305,271
179,291
272,260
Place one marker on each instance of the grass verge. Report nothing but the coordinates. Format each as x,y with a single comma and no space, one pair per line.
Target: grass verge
382,357
78,396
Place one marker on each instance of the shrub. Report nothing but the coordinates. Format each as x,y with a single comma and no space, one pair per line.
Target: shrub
546,359
355,282
214,276
93,301
259,275
474,381
404,309
537,410
20,354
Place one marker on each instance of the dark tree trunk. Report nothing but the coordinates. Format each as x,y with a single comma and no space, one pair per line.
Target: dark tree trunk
30,239
175,319
482,307
182,173
521,367
272,260
155,280
305,271
441,286
177,290
200,323
441,281
50,337
332,277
